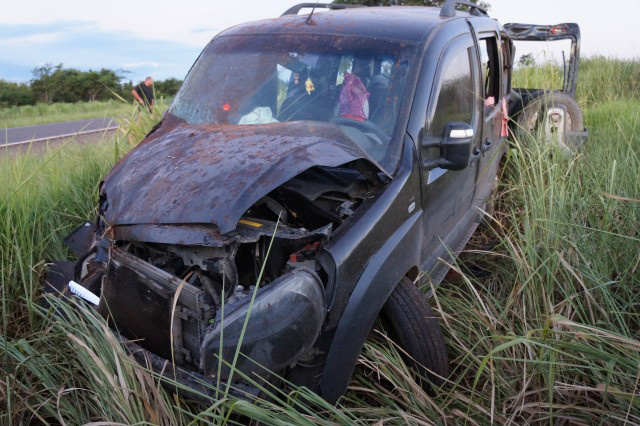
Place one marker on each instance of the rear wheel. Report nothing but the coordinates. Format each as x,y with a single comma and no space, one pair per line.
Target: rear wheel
554,115
412,324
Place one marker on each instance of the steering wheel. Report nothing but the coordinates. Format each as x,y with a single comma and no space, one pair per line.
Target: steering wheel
364,126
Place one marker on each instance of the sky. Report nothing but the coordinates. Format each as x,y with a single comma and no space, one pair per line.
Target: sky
162,38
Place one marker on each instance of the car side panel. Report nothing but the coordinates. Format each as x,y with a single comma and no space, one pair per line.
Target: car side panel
395,254
448,194
444,204
492,144
357,240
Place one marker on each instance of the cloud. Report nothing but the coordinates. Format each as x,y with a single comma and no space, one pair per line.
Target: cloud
208,30
32,39
147,19
171,34
83,45
141,64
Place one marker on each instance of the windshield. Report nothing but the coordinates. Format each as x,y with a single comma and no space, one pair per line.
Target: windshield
355,83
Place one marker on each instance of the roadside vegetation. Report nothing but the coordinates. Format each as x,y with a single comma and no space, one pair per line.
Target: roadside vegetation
540,313
56,93
41,113
600,79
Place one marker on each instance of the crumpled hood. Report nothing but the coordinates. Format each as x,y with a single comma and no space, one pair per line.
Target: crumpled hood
185,174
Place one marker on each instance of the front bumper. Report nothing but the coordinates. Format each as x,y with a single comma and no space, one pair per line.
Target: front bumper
174,320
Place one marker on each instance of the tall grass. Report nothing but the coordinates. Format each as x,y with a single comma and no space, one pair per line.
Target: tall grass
42,113
541,318
600,79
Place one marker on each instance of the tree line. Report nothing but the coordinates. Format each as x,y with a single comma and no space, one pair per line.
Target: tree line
55,83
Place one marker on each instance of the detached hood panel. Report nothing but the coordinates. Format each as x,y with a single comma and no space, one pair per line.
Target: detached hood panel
186,174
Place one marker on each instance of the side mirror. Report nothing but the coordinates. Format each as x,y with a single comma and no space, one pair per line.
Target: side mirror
455,147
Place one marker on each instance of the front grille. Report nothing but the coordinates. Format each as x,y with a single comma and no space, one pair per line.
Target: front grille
138,298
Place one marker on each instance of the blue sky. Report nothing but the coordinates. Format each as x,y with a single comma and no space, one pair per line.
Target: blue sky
82,45
162,38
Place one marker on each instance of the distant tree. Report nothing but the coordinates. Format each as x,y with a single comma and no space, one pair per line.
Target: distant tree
43,84
59,84
55,83
527,60
98,85
168,87
125,91
67,85
15,94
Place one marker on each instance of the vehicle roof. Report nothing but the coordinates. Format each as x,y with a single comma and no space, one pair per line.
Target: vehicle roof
403,23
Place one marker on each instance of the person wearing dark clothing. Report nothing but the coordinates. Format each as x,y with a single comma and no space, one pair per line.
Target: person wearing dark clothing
143,93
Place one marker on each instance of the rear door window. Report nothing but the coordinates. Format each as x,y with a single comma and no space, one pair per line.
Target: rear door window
490,65
541,64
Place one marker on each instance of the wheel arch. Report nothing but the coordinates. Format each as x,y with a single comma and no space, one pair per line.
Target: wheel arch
395,259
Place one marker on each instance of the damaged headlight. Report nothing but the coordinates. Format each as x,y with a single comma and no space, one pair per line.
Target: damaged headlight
284,322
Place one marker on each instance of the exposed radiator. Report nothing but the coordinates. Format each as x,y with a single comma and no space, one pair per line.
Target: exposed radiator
138,298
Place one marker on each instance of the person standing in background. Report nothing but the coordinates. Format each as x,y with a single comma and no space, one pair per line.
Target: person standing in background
143,93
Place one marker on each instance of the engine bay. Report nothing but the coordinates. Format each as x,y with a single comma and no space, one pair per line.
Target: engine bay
176,287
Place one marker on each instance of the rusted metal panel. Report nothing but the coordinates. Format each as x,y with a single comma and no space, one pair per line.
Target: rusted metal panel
248,231
187,235
411,24
186,174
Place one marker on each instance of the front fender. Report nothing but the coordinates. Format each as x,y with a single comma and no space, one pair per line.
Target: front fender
385,269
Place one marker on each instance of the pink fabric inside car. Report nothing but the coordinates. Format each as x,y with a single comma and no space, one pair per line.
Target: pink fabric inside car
354,99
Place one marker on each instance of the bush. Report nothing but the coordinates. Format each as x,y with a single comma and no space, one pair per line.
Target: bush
15,94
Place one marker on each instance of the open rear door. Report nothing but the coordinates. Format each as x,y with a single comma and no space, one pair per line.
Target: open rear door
546,33
553,111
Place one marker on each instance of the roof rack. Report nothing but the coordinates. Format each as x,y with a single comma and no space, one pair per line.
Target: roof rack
295,9
449,8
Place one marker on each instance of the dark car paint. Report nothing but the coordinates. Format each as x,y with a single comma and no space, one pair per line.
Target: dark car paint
384,239
409,24
388,245
212,174
372,289
371,257
369,254
445,207
491,144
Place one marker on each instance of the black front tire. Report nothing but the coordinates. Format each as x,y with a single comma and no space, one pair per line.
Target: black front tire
412,324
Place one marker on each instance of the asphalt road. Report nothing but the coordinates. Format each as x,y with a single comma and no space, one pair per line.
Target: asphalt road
24,135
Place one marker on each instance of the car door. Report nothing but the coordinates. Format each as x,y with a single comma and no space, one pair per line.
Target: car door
447,194
492,91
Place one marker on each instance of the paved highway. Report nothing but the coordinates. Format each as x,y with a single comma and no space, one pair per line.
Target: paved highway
24,135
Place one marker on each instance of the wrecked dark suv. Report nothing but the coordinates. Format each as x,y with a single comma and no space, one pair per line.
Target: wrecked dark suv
308,171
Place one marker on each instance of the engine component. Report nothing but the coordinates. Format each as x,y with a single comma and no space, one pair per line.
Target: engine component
139,299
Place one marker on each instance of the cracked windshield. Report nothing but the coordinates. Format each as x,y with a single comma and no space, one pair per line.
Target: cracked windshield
354,83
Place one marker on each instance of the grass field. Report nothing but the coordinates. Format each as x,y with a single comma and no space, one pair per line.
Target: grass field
547,334
41,113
